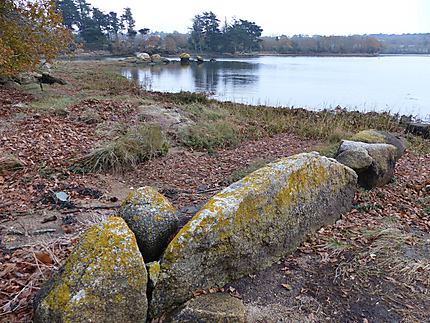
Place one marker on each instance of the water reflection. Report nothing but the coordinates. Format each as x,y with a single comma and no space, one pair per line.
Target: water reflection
398,84
210,77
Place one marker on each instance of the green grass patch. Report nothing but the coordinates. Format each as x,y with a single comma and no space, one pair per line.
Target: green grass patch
56,105
210,135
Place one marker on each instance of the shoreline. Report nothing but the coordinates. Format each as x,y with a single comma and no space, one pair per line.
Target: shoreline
96,56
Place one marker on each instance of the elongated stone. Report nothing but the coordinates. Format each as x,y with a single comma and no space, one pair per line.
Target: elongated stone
252,224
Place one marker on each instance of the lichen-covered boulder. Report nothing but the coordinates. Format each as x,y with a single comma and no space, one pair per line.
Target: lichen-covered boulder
152,219
381,137
185,58
252,224
218,307
144,56
103,280
373,163
156,58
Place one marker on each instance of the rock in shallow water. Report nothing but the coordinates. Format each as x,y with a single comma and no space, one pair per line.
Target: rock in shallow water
252,224
103,280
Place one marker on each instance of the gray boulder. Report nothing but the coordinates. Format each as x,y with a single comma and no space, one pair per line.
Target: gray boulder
103,280
373,163
152,219
381,137
219,307
252,224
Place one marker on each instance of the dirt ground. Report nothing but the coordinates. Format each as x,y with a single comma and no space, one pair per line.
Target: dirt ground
373,265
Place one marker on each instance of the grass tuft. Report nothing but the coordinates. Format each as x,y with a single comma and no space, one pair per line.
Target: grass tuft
126,151
210,135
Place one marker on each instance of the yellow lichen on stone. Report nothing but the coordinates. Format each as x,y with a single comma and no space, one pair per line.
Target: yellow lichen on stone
211,216
251,224
153,220
154,271
151,196
106,254
370,136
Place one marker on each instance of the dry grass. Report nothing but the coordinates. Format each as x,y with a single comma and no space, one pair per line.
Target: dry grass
254,122
126,151
404,255
210,135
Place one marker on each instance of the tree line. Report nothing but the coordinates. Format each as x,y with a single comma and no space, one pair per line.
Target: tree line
95,28
117,33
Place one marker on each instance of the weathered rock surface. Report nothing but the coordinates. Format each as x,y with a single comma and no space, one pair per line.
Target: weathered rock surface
219,307
153,269
103,280
152,219
373,163
166,117
251,224
381,137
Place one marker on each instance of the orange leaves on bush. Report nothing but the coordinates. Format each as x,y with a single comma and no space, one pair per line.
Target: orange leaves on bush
29,32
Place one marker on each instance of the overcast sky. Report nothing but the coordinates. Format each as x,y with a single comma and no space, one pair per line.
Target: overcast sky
289,17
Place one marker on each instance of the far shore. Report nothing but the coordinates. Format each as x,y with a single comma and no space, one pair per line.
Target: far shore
107,54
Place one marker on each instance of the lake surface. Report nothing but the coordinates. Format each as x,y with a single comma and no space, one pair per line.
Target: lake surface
399,84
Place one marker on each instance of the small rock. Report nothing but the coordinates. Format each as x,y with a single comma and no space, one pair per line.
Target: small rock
144,56
185,58
152,219
218,307
62,196
373,163
156,58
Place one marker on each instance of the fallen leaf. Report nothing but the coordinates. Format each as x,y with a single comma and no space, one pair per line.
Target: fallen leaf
44,257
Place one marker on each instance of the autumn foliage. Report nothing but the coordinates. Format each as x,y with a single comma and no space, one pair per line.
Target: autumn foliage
29,32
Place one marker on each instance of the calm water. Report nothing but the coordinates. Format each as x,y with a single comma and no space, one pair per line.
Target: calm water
399,84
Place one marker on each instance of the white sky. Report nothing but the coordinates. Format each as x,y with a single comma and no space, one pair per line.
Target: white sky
289,17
